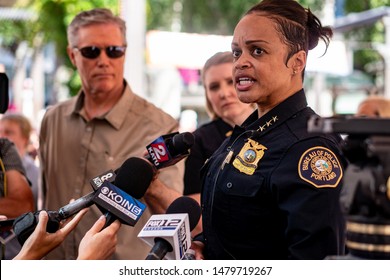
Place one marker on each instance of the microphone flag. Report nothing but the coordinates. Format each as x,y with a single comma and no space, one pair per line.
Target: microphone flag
122,205
173,228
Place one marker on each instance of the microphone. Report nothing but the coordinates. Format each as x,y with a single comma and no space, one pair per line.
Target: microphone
168,149
6,225
134,176
25,224
114,198
4,93
169,234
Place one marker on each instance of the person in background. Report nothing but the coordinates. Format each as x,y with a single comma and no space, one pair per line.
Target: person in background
271,191
100,128
16,197
374,106
17,128
225,111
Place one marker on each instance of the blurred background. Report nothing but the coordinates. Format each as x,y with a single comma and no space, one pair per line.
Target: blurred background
168,43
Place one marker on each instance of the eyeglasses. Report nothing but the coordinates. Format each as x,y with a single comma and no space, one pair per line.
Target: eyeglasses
92,52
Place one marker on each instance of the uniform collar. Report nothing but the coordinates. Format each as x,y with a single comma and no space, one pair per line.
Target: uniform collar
277,115
116,116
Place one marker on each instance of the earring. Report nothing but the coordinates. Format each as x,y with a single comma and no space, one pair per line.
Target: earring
294,72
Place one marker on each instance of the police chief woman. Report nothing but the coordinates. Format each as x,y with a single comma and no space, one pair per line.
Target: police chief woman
271,191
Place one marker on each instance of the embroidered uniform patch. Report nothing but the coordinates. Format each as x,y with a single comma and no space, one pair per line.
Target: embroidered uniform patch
320,167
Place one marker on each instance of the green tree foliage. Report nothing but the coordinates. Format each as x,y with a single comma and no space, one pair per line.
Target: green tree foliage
49,25
52,18
366,55
55,16
204,16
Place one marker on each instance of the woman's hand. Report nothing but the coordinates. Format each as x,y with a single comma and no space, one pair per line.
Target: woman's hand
41,242
98,244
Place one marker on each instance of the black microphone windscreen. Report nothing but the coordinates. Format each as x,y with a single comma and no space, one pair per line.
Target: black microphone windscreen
4,94
182,142
134,177
6,225
185,204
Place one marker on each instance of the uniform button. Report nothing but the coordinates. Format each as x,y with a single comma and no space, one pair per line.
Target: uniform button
229,185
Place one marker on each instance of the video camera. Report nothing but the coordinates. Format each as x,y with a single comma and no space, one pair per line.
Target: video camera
365,198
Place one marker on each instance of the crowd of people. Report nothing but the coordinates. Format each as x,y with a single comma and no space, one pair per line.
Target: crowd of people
267,188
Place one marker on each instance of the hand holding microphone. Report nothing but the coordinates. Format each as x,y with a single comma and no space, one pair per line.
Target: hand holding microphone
40,242
133,177
165,151
99,243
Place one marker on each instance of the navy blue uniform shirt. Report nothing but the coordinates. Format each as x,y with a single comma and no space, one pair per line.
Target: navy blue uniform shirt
276,194
208,138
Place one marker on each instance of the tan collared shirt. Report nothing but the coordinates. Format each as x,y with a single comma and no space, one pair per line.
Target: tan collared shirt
74,150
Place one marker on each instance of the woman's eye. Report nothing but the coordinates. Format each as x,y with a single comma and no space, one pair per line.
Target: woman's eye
213,87
258,51
236,53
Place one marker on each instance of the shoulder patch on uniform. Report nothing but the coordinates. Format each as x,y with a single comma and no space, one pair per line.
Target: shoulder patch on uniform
320,167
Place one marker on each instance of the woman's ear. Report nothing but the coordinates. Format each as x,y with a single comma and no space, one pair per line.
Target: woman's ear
298,61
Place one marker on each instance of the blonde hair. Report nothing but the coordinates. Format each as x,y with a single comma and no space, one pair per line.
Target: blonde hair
216,59
21,121
374,106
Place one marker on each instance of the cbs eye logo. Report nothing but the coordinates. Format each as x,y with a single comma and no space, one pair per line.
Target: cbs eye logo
105,190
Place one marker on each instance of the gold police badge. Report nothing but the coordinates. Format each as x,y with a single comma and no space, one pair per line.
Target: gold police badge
248,158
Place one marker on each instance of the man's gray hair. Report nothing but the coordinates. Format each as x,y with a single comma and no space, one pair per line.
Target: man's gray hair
92,17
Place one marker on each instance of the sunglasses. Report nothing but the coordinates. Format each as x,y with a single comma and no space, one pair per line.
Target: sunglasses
93,52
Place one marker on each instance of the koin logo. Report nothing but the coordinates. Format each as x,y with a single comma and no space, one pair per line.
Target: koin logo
120,200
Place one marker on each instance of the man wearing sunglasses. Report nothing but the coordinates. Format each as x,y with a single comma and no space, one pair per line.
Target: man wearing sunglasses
100,128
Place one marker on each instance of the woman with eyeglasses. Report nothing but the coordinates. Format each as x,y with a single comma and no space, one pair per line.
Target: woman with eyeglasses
97,130
271,191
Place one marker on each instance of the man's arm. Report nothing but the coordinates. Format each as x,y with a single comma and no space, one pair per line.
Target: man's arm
19,197
165,188
158,196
